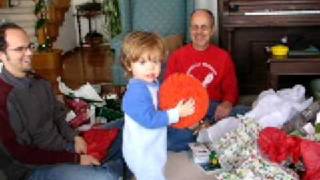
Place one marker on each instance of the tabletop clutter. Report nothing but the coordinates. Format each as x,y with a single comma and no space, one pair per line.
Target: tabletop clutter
88,112
88,108
277,139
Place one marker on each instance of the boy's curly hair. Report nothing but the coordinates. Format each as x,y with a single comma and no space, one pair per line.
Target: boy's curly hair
138,43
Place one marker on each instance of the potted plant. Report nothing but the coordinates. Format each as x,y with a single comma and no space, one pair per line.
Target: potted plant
112,18
46,57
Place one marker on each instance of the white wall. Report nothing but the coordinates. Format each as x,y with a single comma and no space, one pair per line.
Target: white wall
213,6
68,34
67,39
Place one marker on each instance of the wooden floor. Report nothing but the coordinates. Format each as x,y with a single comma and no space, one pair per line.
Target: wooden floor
91,65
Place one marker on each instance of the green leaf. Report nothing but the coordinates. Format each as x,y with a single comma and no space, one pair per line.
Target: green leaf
41,23
39,7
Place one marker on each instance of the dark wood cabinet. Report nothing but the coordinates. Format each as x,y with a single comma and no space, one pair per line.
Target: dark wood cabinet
248,26
291,67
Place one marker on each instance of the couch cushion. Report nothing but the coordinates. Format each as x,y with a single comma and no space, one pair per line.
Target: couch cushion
167,16
172,43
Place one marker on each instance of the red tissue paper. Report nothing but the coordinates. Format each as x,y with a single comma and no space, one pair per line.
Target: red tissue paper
311,159
99,141
80,108
278,146
178,87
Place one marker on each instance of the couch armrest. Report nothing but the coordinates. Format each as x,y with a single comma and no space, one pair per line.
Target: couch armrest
116,42
172,43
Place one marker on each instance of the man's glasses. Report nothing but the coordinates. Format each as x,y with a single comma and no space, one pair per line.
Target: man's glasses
23,49
202,27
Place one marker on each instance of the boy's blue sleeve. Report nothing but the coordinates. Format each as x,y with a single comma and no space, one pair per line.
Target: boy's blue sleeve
137,103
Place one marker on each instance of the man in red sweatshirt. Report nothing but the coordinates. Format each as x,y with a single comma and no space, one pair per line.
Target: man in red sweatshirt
208,63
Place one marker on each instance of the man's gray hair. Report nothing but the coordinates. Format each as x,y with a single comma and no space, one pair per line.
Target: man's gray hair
206,11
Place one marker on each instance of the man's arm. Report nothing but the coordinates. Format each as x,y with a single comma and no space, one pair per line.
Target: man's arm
25,153
29,154
229,89
223,110
230,83
59,118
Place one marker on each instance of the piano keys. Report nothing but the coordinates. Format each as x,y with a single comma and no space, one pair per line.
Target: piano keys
282,13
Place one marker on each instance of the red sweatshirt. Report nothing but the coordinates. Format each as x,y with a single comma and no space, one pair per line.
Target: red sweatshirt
213,67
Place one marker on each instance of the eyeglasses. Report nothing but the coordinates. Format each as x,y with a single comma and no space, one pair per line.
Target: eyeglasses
23,49
202,27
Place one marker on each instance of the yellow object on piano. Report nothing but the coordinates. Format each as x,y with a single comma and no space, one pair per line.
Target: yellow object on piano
280,51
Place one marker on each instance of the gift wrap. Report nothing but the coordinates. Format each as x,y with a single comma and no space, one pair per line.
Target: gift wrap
258,168
238,145
240,159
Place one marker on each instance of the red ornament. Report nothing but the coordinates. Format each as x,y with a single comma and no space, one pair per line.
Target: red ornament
178,87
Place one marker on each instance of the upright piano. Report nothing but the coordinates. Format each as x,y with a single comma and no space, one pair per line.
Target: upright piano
248,26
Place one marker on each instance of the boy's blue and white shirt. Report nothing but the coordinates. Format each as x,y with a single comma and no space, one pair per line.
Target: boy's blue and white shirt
145,130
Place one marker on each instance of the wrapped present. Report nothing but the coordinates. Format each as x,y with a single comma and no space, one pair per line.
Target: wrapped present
237,146
81,111
89,108
258,168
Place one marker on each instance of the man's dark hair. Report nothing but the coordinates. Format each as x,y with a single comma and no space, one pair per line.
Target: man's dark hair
3,28
206,11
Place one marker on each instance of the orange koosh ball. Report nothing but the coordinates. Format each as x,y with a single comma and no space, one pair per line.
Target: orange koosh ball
178,87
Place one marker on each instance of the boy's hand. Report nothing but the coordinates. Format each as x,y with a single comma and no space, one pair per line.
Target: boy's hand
87,160
80,145
186,108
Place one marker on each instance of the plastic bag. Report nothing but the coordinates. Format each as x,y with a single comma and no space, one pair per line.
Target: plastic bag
273,109
218,130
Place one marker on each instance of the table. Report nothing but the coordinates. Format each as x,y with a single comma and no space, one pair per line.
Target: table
87,13
291,66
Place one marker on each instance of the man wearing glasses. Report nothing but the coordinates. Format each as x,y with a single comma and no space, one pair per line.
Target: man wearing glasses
213,67
33,130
